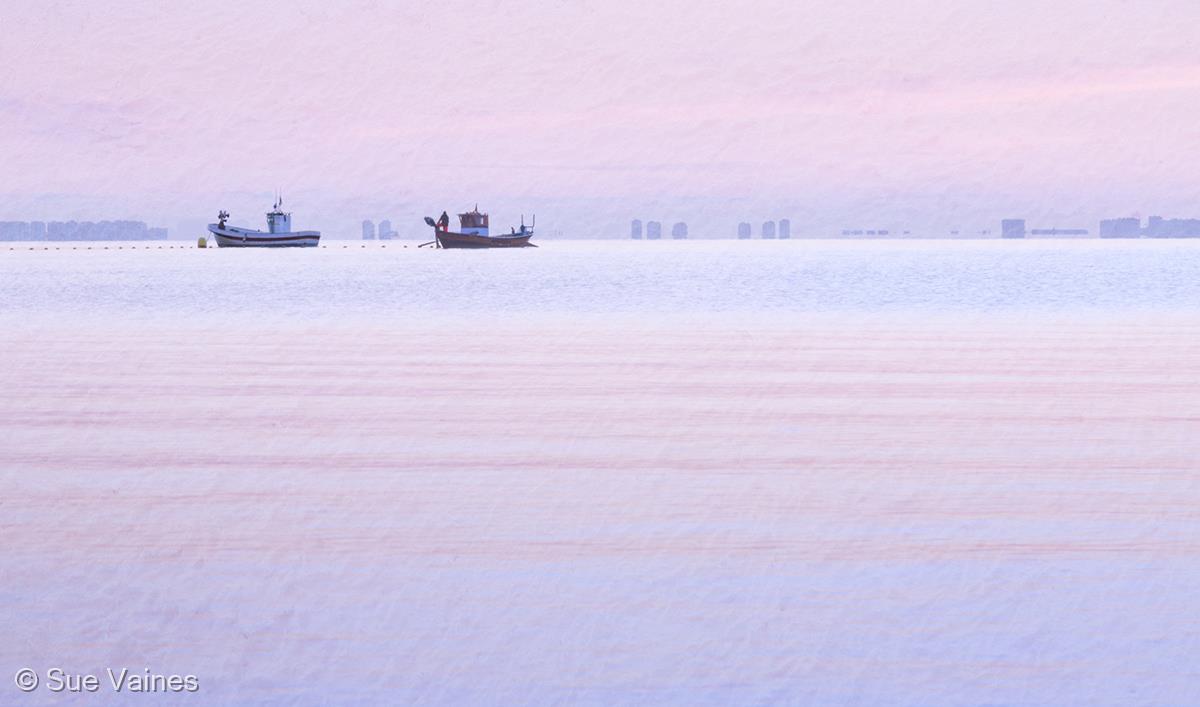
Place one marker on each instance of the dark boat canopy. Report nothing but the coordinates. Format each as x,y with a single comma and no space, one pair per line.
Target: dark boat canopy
473,219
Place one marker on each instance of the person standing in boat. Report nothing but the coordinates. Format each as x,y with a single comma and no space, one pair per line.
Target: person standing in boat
444,222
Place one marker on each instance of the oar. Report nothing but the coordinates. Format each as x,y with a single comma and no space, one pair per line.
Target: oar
425,244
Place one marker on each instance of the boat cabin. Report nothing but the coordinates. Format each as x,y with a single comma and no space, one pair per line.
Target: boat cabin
278,221
473,222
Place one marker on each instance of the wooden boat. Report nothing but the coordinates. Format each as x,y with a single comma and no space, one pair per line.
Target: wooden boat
473,233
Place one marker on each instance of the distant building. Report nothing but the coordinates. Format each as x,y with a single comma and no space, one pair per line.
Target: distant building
1159,227
679,231
785,228
1121,228
768,230
1058,232
653,230
743,231
368,230
1154,226
385,230
14,231
635,230
79,231
1012,228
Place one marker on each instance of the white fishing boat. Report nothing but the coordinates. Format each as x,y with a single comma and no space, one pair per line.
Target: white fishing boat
277,235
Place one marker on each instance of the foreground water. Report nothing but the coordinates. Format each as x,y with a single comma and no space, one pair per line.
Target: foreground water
867,473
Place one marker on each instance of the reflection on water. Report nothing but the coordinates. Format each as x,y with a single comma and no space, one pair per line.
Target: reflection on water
914,508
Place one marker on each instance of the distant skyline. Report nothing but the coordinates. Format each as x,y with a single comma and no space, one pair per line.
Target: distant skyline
929,115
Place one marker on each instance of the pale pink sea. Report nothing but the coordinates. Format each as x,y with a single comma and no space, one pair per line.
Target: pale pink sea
796,473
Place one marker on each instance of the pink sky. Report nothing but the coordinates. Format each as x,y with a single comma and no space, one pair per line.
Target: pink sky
915,112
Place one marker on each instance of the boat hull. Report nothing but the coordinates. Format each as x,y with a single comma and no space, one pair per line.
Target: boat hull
244,238
449,239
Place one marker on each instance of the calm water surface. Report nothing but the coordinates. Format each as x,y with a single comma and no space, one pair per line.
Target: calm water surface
918,473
